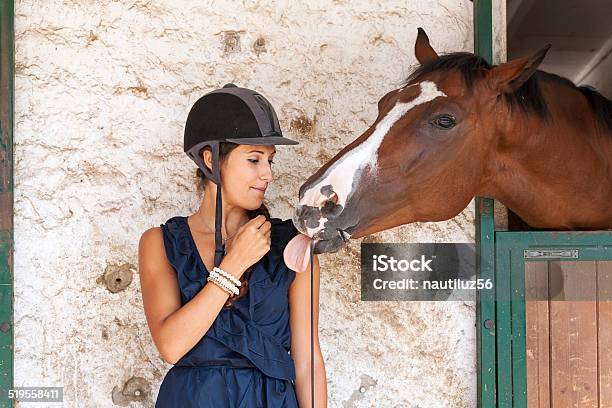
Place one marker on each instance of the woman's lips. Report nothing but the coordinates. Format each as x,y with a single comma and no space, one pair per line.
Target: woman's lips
259,189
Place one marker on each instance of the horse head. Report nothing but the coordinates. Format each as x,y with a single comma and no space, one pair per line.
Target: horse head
437,142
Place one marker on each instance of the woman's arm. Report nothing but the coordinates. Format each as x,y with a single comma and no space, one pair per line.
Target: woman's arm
299,309
175,329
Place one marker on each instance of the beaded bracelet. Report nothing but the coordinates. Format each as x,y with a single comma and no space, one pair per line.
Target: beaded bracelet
228,275
226,281
223,282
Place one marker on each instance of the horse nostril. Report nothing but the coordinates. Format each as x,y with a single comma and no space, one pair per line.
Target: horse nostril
334,198
302,212
307,216
330,207
325,200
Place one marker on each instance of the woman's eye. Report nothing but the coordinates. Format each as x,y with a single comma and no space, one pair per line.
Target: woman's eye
257,161
444,121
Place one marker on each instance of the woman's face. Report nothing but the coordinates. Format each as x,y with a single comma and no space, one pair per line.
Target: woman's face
245,175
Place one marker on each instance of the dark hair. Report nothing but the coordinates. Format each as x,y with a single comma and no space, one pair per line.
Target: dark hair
225,148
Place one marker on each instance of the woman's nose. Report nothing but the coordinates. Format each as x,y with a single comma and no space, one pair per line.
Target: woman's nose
267,173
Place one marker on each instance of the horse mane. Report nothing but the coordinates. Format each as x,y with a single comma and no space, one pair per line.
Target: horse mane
528,98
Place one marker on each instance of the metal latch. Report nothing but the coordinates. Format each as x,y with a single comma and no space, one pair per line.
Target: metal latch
550,253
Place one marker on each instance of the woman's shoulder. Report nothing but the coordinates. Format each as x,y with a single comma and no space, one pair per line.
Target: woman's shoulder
173,235
175,228
173,221
152,256
150,237
157,234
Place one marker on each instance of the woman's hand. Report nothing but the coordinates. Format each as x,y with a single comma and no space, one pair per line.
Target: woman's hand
250,243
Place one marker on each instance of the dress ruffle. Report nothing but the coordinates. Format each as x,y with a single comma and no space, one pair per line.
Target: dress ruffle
247,339
235,328
180,251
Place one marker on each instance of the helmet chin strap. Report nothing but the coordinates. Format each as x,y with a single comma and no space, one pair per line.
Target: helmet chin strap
219,247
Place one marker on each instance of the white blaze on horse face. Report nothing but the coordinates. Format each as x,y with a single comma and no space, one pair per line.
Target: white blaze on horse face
343,174
311,231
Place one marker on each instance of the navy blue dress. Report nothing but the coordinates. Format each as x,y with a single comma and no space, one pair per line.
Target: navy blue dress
243,360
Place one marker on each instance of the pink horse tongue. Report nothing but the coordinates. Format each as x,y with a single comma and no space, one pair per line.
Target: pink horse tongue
297,253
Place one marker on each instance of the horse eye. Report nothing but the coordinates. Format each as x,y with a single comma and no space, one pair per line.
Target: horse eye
444,121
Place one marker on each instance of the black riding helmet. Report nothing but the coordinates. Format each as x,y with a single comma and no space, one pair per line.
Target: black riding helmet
229,114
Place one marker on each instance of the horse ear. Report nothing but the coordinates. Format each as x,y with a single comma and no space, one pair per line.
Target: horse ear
508,77
422,50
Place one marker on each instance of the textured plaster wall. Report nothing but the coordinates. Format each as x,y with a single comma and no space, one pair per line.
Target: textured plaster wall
102,92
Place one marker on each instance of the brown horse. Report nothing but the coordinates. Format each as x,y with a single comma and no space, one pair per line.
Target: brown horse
460,128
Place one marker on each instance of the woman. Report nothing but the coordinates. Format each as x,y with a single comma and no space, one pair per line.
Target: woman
228,331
